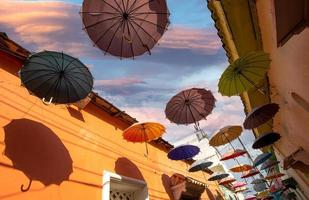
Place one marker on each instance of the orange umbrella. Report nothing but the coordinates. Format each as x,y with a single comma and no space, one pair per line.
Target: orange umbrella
274,175
250,173
241,168
144,132
226,181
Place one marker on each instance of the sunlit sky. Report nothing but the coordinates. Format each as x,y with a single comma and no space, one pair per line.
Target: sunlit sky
188,55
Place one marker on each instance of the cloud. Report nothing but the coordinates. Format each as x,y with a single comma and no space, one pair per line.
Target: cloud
118,82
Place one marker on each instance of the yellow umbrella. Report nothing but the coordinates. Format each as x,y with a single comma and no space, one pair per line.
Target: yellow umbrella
241,168
263,194
144,132
225,135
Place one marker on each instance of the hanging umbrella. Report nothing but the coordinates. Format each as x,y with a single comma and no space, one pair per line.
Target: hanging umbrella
56,76
37,151
190,106
125,28
200,165
251,197
217,176
244,74
238,185
261,159
183,152
241,168
257,181
265,140
144,132
269,164
260,115
259,187
263,194
226,181
233,154
241,189
250,173
274,175
225,135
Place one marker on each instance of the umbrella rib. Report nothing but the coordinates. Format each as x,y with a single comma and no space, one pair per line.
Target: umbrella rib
123,29
72,86
67,88
140,6
144,31
122,11
40,64
101,12
33,78
112,6
75,77
110,42
34,70
139,37
72,79
155,13
55,61
67,65
107,31
41,57
131,7
101,21
144,20
127,6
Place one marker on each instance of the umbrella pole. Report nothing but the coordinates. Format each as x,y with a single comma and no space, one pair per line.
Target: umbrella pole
146,149
252,83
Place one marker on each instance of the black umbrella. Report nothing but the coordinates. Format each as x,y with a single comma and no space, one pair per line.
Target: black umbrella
260,115
265,140
37,152
200,165
57,77
217,176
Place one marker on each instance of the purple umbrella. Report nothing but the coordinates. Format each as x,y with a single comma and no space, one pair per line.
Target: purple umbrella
126,28
260,115
183,152
190,106
261,159
265,140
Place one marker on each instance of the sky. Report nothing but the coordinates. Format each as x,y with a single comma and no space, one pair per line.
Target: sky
189,54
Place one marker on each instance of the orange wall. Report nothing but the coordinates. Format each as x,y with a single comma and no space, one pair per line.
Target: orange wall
94,145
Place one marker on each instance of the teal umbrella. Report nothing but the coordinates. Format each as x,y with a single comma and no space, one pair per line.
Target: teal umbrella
244,73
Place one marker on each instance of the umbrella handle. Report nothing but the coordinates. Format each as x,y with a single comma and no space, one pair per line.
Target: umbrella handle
28,187
47,102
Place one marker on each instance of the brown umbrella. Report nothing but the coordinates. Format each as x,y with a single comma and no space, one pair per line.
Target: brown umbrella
225,135
190,106
126,28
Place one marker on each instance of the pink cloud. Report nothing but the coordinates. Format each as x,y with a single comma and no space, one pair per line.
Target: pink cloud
118,82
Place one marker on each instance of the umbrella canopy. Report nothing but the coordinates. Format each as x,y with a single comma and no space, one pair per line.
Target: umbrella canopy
183,152
274,175
37,151
226,181
260,187
233,154
261,159
241,168
56,76
250,173
225,135
257,181
260,115
200,165
238,185
265,140
269,164
143,132
125,28
250,197
244,73
217,176
190,106
263,194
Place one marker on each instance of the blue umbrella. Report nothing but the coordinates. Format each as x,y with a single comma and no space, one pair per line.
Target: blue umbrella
183,152
261,159
200,165
269,164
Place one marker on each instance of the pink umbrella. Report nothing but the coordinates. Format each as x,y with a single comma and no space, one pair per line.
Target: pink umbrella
238,185
251,197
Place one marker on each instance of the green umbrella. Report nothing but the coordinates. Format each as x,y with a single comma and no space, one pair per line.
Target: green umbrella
244,73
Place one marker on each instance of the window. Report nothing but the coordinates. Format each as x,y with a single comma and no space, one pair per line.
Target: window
291,18
116,187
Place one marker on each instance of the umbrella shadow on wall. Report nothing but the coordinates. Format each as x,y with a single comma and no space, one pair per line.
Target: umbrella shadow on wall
166,181
37,151
125,167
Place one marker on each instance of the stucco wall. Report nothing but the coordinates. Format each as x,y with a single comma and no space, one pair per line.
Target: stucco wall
289,72
94,141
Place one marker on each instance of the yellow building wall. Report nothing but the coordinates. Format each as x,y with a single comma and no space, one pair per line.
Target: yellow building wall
95,144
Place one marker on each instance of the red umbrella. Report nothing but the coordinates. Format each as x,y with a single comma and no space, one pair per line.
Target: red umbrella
226,181
126,28
233,154
250,173
190,106
274,175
